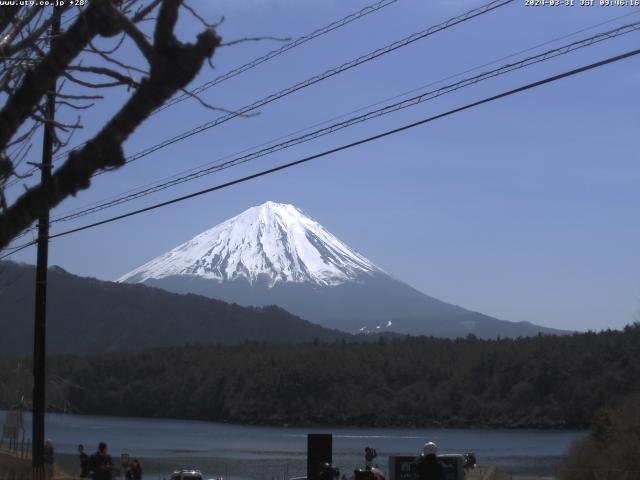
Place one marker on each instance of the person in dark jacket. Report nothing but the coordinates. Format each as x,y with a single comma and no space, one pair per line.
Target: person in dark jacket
428,466
101,463
84,462
135,471
369,455
48,460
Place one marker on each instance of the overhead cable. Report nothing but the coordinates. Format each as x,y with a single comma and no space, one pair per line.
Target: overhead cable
394,107
325,153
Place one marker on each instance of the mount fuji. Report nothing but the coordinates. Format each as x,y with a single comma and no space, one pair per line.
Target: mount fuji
274,254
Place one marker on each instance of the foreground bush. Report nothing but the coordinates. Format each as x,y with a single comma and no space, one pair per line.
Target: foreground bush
612,450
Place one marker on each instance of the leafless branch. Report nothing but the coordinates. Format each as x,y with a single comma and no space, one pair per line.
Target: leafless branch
75,106
200,18
79,97
139,38
143,12
36,34
254,39
217,109
122,79
17,29
60,125
97,19
96,85
172,65
118,63
94,49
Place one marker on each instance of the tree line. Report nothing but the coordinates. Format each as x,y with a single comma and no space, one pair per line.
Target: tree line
539,382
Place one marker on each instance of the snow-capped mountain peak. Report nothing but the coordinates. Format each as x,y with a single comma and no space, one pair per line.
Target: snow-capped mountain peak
274,242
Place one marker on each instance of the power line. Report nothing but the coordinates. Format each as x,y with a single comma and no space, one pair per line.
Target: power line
65,153
320,77
262,59
325,153
279,51
17,249
327,74
312,80
380,102
357,119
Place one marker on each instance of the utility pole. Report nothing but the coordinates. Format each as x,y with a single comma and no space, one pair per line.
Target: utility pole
40,324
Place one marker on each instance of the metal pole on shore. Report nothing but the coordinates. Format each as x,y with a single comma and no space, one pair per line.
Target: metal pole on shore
39,334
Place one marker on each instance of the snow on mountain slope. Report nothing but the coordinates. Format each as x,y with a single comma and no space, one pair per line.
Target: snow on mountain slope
272,241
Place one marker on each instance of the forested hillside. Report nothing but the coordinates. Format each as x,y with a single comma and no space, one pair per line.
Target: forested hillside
87,315
555,381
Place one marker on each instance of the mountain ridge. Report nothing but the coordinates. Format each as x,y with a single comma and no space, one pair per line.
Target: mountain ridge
87,315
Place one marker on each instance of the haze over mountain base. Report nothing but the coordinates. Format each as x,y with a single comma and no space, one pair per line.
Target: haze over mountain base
378,303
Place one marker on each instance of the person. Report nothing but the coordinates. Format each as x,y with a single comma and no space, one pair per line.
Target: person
135,471
84,462
428,466
470,460
48,460
369,455
101,463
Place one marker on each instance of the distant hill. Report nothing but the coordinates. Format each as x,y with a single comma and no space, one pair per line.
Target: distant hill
87,315
274,254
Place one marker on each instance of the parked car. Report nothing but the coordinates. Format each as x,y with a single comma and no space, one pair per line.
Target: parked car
186,475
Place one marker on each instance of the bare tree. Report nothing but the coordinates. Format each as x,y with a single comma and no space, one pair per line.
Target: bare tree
28,65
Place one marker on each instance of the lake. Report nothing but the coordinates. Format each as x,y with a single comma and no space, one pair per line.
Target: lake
243,452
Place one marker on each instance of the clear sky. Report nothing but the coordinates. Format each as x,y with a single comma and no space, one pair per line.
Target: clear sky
524,209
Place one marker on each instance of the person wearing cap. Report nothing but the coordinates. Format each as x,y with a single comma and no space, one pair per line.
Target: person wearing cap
428,466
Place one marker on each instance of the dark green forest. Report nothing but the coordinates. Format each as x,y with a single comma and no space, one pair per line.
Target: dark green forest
540,382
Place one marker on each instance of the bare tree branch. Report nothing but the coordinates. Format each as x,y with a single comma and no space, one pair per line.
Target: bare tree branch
7,14
143,12
139,38
8,50
107,72
106,56
172,66
98,18
201,19
17,29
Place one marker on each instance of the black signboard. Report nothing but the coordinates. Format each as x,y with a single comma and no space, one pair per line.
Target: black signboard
404,467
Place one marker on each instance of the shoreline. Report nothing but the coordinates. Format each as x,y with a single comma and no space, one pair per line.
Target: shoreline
329,426
159,468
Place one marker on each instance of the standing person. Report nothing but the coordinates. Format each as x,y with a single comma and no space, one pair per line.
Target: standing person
84,462
369,455
136,470
427,465
48,460
101,463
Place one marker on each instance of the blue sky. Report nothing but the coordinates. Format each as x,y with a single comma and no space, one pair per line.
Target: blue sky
524,209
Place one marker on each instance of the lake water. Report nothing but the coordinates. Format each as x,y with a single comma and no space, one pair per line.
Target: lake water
267,452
